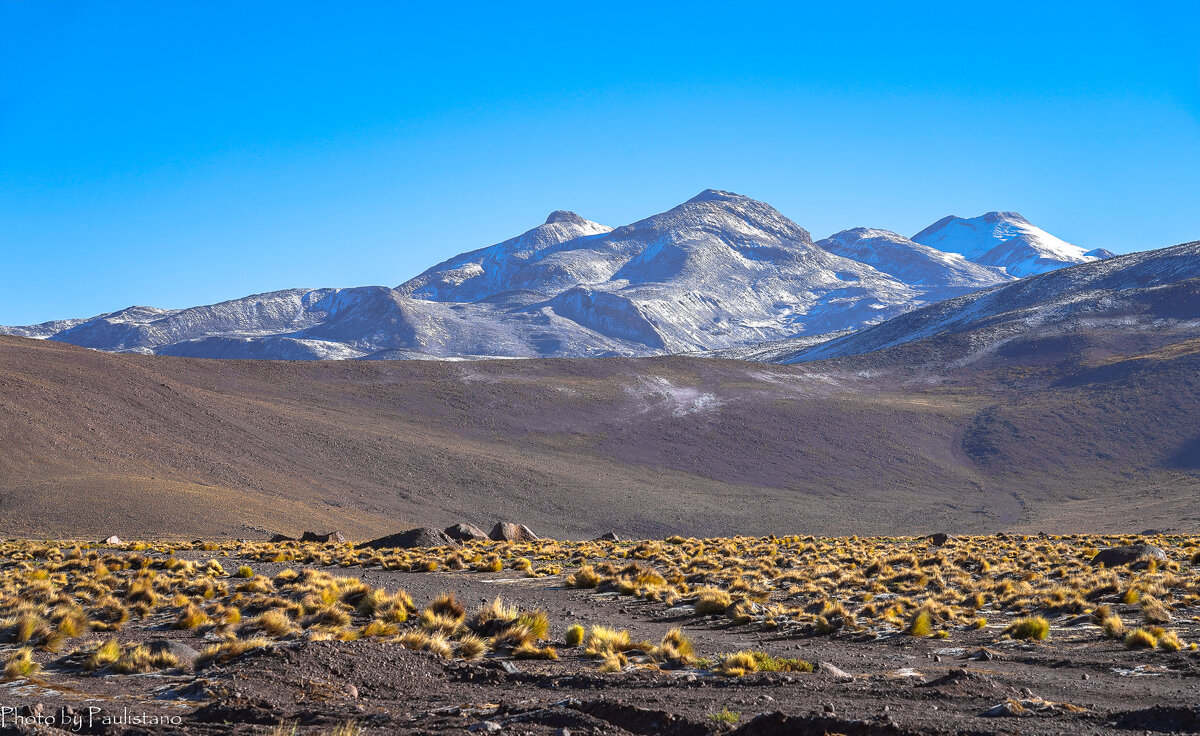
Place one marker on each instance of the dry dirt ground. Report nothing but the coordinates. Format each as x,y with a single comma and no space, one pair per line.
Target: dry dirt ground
882,681
1086,432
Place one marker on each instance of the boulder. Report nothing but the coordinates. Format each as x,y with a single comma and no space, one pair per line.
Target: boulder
508,532
184,653
464,532
1115,556
114,539
330,538
419,537
282,538
939,539
607,537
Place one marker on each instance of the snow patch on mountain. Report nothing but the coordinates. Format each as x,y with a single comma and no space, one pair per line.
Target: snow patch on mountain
720,271
1005,240
1147,289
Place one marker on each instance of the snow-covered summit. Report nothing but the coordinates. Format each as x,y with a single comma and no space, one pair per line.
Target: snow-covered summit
950,274
721,270
1005,240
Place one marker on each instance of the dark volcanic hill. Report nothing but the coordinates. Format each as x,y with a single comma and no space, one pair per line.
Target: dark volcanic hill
97,443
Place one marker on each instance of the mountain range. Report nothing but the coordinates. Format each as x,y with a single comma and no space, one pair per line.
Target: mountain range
716,272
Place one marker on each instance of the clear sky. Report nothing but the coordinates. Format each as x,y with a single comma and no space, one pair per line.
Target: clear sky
181,153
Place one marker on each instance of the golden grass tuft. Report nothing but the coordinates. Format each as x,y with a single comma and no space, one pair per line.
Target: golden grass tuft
713,602
1141,639
1034,627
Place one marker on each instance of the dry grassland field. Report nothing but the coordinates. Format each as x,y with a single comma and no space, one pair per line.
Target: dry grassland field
776,635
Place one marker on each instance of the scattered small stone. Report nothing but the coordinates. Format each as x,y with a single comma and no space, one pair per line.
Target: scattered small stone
485,727
834,672
509,667
114,539
351,692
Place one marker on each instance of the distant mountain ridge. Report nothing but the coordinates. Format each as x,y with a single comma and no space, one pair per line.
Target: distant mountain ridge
719,271
1138,294
1005,240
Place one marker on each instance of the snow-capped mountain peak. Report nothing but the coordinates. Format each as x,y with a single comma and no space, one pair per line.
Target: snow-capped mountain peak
949,274
721,270
1005,240
716,195
566,217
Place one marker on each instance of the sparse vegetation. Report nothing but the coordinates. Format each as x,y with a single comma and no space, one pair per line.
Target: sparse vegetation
1034,627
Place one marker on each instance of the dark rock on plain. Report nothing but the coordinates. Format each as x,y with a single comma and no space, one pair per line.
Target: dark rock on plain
330,538
464,532
1113,556
505,531
420,537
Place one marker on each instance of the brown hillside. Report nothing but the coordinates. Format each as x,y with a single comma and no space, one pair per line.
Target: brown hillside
96,443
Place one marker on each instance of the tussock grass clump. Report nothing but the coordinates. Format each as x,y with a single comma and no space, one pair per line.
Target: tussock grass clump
603,641
1155,612
105,654
1113,627
746,661
1170,642
244,571
529,650
537,622
471,646
1141,639
274,623
574,636
921,624
225,651
725,716
494,615
614,662
139,659
1034,627
674,650
439,622
713,602
191,618
377,629
20,665
584,577
447,605
423,642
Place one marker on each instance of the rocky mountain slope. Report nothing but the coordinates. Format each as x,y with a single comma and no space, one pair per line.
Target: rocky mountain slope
718,271
1153,292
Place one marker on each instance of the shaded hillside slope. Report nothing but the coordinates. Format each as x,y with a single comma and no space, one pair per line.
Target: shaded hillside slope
1152,291
152,446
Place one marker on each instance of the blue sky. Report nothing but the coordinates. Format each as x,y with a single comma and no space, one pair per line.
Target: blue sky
176,154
